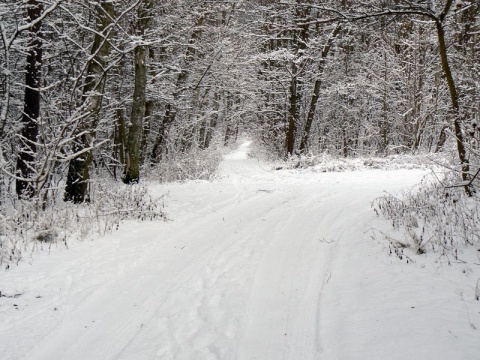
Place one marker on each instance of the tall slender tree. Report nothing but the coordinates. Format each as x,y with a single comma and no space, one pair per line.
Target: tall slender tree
132,161
316,89
76,189
299,34
31,110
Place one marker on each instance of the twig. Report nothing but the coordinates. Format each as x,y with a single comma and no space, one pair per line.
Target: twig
464,183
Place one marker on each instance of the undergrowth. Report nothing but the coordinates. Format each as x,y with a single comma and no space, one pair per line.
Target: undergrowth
196,164
30,225
328,163
437,217
27,226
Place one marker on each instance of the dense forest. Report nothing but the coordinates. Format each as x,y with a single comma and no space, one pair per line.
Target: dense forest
124,85
110,89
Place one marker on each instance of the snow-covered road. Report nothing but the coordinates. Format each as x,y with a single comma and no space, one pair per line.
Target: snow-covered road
262,264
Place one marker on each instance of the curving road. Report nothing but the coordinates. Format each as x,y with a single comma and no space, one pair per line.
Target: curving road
261,264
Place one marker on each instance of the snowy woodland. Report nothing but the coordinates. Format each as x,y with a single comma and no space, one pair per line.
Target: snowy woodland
250,179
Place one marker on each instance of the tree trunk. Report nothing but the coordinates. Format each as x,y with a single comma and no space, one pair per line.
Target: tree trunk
161,139
441,139
420,121
132,166
461,150
383,149
292,112
146,130
132,172
211,122
31,110
119,139
316,90
149,108
299,38
76,189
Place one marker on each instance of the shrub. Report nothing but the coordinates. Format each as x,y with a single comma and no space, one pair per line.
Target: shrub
196,164
29,225
436,216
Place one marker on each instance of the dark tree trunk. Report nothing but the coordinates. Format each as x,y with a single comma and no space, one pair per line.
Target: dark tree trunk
292,112
120,138
161,139
132,163
135,131
300,37
149,110
461,150
441,139
76,189
31,111
316,90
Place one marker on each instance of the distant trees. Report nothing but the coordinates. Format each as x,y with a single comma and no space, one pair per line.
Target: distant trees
293,54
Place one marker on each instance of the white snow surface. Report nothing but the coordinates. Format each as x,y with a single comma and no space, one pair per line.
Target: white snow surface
260,264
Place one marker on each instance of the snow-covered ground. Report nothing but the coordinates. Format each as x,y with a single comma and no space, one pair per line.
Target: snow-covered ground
260,264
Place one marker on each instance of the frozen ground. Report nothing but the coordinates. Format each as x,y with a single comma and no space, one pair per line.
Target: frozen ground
265,265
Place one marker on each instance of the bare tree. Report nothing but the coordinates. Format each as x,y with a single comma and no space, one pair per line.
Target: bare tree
76,189
132,163
31,112
316,89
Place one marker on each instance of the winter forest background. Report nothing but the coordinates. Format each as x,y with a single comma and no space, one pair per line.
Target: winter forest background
94,94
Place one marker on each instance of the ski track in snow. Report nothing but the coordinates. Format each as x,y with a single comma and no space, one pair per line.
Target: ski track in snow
264,265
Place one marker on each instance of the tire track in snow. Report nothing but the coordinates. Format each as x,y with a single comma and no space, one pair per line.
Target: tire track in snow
205,326
287,287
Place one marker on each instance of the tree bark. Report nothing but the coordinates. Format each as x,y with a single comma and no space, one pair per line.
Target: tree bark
132,166
120,137
300,35
149,107
316,89
461,150
292,112
149,111
132,172
31,110
76,189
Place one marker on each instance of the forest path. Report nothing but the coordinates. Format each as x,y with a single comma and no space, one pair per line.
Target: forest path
261,264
